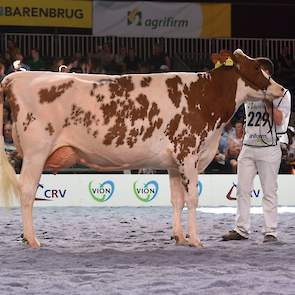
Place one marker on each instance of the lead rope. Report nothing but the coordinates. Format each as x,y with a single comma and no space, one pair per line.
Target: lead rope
274,141
271,124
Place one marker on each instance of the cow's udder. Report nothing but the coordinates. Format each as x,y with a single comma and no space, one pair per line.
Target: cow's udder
63,157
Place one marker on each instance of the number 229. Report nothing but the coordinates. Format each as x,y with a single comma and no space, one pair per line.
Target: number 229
255,118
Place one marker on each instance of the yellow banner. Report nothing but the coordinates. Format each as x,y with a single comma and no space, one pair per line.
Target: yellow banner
46,13
216,20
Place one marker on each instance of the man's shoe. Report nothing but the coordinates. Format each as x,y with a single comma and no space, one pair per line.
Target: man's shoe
269,238
233,235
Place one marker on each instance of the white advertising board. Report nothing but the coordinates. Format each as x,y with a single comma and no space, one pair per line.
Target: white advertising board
159,19
134,190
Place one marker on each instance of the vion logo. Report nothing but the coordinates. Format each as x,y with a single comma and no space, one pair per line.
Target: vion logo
200,187
146,192
101,192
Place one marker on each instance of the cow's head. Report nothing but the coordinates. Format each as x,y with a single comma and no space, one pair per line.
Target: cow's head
253,72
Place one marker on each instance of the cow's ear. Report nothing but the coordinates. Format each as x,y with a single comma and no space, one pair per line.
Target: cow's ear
215,58
227,58
238,55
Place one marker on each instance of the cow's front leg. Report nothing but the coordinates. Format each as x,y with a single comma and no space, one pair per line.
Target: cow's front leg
177,200
29,178
190,181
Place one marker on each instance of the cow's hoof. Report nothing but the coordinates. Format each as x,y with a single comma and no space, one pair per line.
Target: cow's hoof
196,244
180,241
33,243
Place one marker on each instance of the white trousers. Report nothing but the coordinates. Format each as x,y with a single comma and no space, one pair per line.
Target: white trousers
266,161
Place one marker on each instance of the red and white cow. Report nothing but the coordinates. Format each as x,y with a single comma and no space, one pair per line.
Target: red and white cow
167,121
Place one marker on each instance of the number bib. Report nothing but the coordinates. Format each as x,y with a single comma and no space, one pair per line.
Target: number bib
260,130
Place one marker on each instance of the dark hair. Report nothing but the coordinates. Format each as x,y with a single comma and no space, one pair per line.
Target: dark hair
266,63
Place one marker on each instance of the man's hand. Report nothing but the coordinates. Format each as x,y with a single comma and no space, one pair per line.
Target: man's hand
272,110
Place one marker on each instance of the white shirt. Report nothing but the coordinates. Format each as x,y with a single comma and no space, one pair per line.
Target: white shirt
260,130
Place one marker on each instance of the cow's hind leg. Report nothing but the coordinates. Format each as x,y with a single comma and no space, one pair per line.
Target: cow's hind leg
30,175
177,200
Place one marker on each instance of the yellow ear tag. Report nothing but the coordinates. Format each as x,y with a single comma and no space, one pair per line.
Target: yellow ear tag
218,64
228,62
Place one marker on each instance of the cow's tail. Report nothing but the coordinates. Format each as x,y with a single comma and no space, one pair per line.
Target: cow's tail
9,186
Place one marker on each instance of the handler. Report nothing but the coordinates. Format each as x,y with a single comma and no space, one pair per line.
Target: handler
266,122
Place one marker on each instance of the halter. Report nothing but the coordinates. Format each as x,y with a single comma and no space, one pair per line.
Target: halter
270,124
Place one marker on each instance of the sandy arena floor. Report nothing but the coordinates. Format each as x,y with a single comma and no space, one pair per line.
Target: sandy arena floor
129,251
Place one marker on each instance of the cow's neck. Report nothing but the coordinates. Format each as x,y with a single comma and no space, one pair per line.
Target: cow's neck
226,79
211,102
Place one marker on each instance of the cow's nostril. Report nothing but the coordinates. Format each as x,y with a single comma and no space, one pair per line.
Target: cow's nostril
283,89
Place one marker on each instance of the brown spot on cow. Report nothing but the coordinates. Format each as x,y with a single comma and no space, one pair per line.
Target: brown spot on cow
29,119
146,81
132,138
172,127
173,92
94,86
66,123
109,111
154,111
153,124
185,181
141,130
79,116
140,113
99,98
87,119
76,114
117,131
150,130
95,91
203,136
126,112
50,129
14,106
95,133
121,87
201,102
49,95
185,142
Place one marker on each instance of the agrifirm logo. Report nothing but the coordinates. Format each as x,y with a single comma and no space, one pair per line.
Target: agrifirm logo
47,194
101,192
147,191
135,17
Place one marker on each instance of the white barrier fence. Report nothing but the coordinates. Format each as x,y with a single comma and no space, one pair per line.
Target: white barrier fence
113,190
60,45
